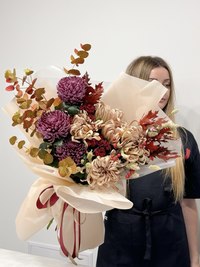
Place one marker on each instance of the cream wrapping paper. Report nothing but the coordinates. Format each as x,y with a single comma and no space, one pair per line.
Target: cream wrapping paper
90,203
134,97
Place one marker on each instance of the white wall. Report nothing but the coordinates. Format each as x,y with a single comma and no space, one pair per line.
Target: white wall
39,33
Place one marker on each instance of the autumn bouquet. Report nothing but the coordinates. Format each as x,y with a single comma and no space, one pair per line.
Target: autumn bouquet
82,148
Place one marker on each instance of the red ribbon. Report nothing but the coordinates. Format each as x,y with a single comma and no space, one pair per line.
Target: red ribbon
51,201
76,224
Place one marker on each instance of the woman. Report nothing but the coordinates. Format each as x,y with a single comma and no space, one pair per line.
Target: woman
161,229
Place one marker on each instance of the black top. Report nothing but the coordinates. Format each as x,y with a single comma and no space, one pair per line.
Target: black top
192,165
157,188
152,233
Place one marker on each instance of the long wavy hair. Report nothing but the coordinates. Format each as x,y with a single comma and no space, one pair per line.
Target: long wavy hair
141,68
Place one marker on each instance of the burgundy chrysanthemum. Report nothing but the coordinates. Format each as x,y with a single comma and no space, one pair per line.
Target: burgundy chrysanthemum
71,149
71,89
53,125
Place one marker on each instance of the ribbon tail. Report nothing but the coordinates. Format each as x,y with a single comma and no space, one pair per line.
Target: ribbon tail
69,232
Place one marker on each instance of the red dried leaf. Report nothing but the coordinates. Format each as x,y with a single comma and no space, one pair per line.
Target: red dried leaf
86,78
29,89
17,87
164,135
166,155
10,88
151,146
19,94
151,118
75,51
146,119
27,123
93,95
28,114
33,82
9,80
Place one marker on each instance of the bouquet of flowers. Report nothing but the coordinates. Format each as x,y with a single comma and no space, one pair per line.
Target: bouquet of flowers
83,149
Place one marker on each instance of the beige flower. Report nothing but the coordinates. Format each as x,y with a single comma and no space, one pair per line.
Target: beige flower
84,128
113,124
103,171
131,145
111,132
106,113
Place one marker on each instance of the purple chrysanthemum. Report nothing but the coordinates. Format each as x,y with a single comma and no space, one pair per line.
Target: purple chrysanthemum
71,89
71,149
53,125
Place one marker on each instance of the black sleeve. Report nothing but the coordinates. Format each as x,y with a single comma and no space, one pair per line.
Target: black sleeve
192,165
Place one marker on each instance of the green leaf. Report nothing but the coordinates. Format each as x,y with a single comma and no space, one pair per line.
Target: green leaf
21,144
34,152
73,110
48,158
62,171
42,153
11,76
28,72
17,118
26,104
13,140
58,143
50,223
44,145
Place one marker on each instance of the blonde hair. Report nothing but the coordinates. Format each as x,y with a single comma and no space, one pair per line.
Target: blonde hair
141,68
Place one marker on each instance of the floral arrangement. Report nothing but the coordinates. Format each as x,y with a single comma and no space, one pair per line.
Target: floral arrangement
80,135
86,141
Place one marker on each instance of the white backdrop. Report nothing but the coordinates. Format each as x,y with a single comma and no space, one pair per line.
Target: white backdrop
39,33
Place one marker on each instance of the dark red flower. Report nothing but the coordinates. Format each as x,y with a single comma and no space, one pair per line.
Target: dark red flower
100,151
92,142
105,144
89,108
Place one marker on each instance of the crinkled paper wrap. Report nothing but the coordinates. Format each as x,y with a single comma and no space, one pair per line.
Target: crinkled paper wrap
90,203
134,97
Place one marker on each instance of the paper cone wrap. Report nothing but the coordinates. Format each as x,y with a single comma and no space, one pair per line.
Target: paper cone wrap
76,208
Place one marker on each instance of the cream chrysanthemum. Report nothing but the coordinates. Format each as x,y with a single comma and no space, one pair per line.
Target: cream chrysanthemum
103,171
84,128
106,113
111,132
113,124
131,144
